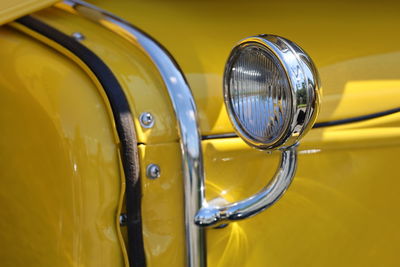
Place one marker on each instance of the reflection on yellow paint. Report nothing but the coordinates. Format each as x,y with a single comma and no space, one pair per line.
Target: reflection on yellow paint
162,206
233,242
358,95
338,211
59,166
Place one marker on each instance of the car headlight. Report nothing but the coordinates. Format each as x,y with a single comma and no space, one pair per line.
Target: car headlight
271,91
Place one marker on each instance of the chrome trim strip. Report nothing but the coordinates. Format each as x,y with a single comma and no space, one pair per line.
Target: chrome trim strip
216,214
185,109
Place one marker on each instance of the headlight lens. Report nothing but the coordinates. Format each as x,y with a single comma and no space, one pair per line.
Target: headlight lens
271,90
259,93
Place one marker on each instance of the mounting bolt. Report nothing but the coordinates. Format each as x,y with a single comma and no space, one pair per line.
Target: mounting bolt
78,36
146,120
123,219
153,171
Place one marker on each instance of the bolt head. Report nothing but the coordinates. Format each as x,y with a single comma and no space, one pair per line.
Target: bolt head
153,171
78,36
146,120
123,219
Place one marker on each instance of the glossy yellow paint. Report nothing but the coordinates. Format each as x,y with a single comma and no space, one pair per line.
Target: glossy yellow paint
61,182
135,72
354,44
162,205
12,9
339,210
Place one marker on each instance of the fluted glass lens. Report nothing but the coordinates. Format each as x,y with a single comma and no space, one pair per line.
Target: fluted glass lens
259,93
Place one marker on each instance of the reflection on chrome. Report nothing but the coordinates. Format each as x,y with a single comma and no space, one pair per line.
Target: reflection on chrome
213,214
309,151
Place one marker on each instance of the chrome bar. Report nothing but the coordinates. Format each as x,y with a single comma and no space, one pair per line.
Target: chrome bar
211,215
185,111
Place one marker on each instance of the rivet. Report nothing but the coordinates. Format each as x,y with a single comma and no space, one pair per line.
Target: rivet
146,120
78,36
153,171
123,219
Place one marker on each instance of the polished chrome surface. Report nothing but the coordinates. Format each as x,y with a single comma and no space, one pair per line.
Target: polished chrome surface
78,36
304,82
214,214
185,109
153,171
146,120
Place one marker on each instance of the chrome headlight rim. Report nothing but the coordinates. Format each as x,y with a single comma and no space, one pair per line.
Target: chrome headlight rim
302,76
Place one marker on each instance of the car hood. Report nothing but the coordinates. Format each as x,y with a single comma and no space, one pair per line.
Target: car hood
355,45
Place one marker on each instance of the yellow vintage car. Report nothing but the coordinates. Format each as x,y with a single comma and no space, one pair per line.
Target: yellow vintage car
195,133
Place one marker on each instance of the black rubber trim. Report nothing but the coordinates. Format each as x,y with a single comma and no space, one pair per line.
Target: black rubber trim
356,119
219,136
125,128
320,124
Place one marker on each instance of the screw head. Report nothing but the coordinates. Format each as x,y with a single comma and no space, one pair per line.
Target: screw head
146,120
123,219
78,36
153,171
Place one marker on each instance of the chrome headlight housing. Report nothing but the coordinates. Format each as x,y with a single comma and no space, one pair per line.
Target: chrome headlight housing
271,91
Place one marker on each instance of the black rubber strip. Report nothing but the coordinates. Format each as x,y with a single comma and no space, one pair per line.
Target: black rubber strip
320,124
125,128
219,136
356,119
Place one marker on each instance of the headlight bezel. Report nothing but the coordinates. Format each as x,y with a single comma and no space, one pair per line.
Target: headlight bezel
303,79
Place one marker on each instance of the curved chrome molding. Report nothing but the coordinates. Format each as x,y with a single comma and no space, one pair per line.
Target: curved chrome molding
185,109
215,215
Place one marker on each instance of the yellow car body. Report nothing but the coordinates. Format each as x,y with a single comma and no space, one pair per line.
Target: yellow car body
63,182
